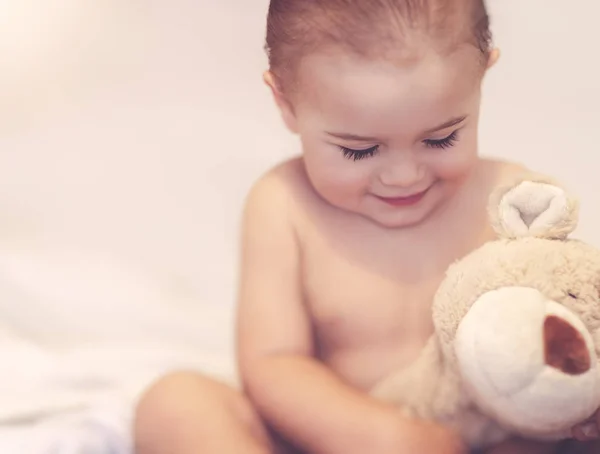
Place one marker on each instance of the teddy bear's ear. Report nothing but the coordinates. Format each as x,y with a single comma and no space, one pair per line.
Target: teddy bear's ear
533,207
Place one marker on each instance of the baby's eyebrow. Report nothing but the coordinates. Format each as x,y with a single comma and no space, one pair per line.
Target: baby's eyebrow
346,136
357,138
448,124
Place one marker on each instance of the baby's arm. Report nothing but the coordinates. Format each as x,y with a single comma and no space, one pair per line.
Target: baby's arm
298,396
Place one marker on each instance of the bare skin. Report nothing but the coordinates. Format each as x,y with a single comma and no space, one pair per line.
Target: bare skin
365,312
368,289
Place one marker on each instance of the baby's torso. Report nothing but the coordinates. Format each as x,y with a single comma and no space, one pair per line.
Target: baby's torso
366,322
369,290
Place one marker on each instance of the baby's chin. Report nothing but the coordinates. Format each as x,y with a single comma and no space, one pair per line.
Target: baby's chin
402,220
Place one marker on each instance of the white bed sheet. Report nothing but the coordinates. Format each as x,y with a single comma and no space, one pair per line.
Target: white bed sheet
81,337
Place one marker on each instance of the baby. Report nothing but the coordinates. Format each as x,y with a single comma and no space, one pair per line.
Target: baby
344,246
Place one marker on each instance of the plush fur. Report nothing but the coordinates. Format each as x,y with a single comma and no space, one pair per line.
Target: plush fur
517,328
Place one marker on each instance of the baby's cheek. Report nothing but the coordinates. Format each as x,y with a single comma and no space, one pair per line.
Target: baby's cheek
331,169
343,182
342,187
454,164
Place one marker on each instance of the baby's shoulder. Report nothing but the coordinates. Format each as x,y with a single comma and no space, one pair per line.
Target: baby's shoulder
282,191
285,181
500,172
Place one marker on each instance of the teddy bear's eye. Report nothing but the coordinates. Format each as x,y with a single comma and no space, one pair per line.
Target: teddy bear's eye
572,295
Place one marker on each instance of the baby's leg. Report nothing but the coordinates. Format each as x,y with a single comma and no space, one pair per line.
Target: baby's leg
186,413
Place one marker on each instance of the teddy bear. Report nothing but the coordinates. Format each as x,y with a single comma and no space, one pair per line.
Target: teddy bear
516,328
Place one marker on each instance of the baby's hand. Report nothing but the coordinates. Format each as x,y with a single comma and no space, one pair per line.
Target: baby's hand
425,437
588,430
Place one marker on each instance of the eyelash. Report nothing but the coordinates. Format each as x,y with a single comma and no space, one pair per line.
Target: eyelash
357,155
446,142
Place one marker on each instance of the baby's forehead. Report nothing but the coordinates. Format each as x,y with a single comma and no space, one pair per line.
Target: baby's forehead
345,88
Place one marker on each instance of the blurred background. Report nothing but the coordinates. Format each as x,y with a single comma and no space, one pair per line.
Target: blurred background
135,127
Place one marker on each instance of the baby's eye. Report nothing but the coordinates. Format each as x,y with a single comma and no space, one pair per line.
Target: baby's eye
357,155
444,143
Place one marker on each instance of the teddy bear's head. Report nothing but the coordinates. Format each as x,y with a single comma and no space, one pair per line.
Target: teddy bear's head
519,318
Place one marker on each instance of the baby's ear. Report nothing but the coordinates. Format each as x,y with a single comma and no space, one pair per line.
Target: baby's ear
533,207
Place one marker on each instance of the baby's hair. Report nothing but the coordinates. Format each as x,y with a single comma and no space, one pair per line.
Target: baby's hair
369,28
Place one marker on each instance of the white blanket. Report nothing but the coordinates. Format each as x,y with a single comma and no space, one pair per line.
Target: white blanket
81,336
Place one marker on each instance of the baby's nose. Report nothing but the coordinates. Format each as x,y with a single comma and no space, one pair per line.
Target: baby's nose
565,347
402,173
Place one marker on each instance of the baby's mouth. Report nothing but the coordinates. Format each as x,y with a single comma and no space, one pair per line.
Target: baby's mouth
408,200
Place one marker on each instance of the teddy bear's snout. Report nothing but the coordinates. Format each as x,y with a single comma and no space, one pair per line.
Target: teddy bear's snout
512,334
528,360
565,348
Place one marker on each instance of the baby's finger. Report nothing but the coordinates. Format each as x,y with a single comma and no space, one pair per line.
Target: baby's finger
587,431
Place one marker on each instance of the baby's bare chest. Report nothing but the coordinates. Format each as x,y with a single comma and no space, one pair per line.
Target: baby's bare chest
353,304
371,308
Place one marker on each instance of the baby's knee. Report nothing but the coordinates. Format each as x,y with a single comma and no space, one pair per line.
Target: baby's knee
183,383
181,392
186,402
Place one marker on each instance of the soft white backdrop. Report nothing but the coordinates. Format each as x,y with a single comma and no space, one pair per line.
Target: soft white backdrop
135,127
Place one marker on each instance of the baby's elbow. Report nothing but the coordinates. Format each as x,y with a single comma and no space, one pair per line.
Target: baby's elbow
260,370
262,376
253,373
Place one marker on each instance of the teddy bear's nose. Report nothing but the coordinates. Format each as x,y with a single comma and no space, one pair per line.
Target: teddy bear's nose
565,347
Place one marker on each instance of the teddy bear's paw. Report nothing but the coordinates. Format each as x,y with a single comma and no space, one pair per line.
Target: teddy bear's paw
532,208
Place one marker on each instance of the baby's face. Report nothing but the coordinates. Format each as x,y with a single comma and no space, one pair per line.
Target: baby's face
391,142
